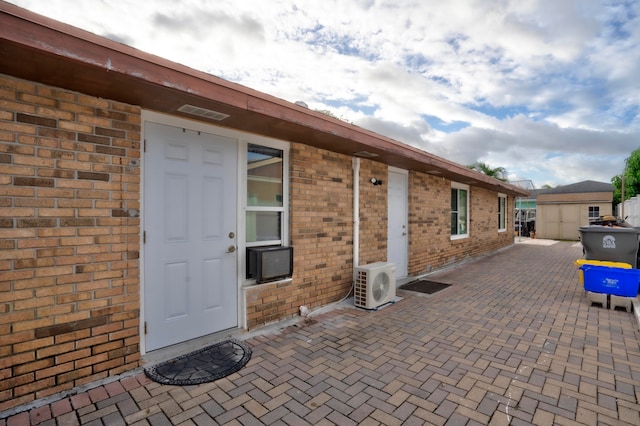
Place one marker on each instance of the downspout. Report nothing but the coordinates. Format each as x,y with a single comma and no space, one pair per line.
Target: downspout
356,214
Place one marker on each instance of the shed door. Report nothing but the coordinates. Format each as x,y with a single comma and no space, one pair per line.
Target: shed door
398,229
570,220
549,221
190,224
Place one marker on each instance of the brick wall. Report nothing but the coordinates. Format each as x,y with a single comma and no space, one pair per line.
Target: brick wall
430,244
429,222
69,240
321,232
373,213
69,237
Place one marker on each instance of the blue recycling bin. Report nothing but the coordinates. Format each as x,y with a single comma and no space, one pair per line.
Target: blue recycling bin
608,280
616,244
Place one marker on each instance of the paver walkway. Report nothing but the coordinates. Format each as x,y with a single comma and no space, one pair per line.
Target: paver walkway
513,341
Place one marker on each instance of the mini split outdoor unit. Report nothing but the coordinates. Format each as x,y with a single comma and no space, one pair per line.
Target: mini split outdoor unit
269,263
375,285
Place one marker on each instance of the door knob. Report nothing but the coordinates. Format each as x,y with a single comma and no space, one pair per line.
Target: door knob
231,249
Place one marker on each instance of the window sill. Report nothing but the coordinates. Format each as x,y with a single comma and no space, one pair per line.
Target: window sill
254,284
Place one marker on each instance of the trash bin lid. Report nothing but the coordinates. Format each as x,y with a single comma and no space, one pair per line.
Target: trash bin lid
608,229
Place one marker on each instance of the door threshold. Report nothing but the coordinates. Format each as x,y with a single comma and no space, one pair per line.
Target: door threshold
157,356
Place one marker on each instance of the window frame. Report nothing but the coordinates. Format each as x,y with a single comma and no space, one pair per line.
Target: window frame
461,187
503,210
593,208
283,210
243,208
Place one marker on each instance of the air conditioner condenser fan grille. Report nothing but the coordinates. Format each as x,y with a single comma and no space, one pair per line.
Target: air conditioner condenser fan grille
380,287
374,285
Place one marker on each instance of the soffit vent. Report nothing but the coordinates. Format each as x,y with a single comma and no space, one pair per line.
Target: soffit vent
202,112
365,154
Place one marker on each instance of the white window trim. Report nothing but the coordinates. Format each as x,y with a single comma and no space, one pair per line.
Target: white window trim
456,185
242,200
504,214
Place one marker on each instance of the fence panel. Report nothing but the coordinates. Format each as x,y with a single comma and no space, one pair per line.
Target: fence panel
631,211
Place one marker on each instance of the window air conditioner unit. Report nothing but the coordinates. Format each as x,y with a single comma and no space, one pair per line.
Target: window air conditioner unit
375,285
269,263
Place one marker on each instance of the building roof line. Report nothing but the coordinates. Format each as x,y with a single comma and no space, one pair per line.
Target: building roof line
64,56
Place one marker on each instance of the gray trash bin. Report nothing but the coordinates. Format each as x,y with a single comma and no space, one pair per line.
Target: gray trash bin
608,243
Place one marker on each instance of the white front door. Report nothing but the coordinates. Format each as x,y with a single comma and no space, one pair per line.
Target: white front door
398,229
190,287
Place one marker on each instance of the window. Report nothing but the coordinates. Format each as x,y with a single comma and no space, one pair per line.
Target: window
459,211
502,212
265,205
594,213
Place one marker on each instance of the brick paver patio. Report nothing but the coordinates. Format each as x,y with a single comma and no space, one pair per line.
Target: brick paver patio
513,341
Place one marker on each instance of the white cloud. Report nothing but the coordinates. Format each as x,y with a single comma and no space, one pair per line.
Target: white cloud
547,88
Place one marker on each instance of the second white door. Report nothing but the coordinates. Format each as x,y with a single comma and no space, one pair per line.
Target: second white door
398,227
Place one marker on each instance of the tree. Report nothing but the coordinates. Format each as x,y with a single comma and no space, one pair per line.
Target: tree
499,173
631,176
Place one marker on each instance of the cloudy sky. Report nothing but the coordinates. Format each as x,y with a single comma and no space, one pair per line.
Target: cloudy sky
548,89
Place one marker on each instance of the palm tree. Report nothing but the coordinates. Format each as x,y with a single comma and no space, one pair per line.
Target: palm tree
499,173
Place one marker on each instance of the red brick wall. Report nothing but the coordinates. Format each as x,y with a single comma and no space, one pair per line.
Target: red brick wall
69,239
430,244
